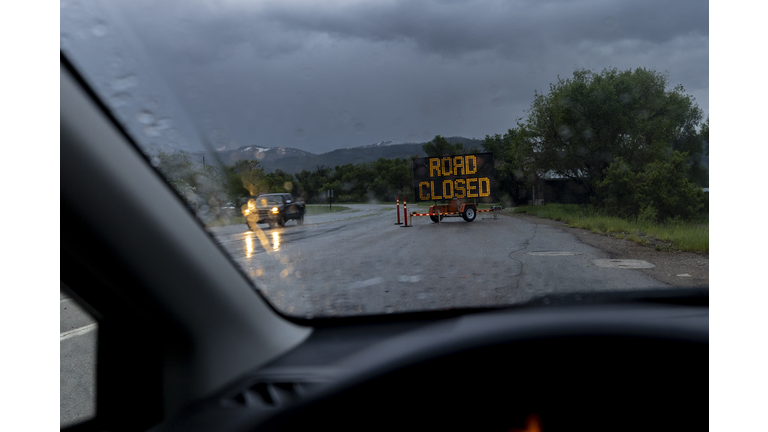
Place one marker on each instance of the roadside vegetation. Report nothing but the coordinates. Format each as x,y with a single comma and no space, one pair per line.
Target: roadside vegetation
673,234
629,144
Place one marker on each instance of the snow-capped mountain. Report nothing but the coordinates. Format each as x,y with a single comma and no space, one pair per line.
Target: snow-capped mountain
381,144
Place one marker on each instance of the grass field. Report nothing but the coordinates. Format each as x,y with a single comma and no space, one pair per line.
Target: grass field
684,236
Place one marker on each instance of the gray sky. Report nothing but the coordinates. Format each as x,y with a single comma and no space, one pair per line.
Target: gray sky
318,76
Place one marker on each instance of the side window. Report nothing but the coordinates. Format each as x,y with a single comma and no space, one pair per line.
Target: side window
77,357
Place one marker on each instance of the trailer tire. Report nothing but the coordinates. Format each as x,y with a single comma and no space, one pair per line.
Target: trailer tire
469,214
435,220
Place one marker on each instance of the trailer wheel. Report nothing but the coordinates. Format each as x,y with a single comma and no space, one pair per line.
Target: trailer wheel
469,214
435,220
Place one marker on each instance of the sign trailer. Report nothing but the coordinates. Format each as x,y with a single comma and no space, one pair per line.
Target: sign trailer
453,178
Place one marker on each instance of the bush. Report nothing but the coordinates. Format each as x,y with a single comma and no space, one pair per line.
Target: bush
661,192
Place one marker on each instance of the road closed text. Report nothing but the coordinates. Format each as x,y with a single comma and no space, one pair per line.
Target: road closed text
451,177
458,188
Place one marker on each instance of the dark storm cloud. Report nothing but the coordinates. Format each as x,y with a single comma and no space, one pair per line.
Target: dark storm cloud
455,28
319,76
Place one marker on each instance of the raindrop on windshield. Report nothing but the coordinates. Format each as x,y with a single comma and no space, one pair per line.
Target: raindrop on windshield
99,29
163,123
124,83
116,61
120,99
152,131
145,117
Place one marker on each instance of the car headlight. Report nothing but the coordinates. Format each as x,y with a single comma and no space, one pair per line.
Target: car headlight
275,210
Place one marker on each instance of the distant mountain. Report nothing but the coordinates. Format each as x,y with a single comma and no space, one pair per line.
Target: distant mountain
265,155
346,156
293,160
381,144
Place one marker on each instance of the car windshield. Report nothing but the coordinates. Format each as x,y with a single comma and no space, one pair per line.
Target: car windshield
431,155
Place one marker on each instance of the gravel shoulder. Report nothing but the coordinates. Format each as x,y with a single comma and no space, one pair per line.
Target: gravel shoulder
668,264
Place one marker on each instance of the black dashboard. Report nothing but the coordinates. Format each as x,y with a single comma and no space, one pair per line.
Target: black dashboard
639,366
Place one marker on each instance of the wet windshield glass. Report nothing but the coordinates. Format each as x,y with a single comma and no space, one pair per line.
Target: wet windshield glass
433,155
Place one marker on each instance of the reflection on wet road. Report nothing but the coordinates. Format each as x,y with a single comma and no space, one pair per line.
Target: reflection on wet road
248,246
364,264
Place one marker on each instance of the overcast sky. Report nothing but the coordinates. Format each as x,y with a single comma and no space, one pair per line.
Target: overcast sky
323,75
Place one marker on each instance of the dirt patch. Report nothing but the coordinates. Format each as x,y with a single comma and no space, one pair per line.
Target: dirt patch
668,264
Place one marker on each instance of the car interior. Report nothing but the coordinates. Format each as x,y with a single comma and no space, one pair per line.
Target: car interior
186,343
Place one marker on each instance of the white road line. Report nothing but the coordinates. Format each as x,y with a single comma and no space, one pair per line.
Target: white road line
77,332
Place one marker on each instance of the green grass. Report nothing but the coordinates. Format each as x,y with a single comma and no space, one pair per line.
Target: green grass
683,236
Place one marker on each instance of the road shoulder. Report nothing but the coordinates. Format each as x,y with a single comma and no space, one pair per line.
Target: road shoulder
668,264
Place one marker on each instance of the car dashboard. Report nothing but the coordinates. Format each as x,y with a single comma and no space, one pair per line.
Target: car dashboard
637,366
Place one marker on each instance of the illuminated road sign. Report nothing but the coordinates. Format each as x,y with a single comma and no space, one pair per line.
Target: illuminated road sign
457,176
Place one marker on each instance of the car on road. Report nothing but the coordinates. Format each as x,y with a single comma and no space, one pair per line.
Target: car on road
273,209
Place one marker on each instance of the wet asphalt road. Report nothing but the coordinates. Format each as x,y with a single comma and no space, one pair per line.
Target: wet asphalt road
360,262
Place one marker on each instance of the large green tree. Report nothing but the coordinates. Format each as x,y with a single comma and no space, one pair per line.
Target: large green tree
585,123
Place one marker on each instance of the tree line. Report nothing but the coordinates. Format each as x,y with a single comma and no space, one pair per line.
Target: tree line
632,143
211,187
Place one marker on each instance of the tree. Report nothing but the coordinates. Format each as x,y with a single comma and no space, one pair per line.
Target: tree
244,178
587,122
440,147
660,192
511,161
